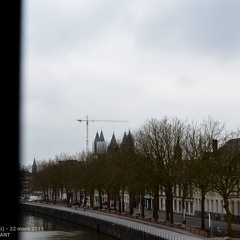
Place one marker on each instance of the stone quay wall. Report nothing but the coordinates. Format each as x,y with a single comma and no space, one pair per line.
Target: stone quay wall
113,229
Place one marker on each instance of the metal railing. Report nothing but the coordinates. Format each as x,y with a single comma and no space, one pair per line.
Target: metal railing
155,231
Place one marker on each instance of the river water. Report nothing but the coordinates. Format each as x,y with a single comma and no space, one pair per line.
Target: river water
34,226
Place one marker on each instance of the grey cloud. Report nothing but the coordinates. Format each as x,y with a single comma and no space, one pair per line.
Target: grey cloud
57,29
185,81
124,60
203,27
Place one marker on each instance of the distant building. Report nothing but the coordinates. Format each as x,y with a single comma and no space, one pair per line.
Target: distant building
34,166
99,144
113,146
24,183
25,180
127,142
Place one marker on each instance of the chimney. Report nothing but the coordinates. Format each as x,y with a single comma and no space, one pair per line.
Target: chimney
214,146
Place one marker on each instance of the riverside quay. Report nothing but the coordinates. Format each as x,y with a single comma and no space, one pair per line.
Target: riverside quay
119,226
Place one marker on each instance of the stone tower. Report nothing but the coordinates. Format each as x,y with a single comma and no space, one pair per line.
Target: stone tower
99,145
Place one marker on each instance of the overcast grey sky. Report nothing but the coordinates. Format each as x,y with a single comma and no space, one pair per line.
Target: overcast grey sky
124,60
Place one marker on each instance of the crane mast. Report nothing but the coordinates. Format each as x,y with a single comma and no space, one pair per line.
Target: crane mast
87,120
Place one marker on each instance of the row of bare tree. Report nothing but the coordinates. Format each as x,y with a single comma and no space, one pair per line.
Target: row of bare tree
159,155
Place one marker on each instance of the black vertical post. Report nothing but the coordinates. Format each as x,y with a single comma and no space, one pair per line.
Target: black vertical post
10,27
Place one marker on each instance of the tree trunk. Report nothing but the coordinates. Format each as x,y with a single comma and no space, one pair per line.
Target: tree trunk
131,197
229,217
203,210
44,195
80,201
85,197
100,198
76,200
108,202
119,203
156,206
47,195
54,195
123,207
91,197
142,205
167,207
171,207
183,211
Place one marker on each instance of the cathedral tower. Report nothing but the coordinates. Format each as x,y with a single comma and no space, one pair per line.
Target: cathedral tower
99,145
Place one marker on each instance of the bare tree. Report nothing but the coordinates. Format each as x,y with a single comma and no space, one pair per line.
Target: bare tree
143,168
185,173
156,141
226,164
148,147
201,147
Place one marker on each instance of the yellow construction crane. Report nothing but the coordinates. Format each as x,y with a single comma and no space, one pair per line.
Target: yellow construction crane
87,120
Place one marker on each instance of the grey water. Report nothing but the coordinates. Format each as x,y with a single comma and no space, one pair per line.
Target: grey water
35,226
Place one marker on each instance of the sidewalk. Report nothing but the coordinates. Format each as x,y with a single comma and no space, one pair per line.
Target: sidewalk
159,224
196,222
177,226
187,230
134,219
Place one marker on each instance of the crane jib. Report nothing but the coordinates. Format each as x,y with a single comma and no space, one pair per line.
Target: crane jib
92,120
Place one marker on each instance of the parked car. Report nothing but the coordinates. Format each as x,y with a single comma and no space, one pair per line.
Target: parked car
35,198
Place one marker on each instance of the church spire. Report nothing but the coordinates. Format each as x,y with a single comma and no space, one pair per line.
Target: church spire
96,138
101,138
113,144
99,145
34,166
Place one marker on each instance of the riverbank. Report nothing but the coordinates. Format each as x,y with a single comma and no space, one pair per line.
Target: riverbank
119,226
36,226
